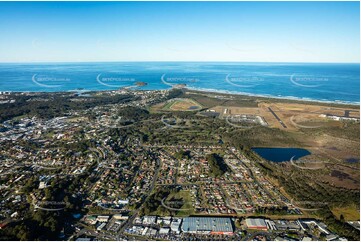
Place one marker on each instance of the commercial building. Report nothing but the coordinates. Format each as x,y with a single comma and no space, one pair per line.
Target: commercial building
101,226
164,230
103,218
305,224
287,225
164,221
147,220
270,224
120,217
207,225
176,222
256,223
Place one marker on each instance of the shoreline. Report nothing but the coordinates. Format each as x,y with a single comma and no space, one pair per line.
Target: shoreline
283,98
209,91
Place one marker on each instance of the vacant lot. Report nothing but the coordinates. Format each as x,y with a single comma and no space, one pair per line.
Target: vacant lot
184,105
294,116
350,213
234,110
178,104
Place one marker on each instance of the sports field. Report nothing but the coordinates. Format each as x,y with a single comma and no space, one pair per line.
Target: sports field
182,104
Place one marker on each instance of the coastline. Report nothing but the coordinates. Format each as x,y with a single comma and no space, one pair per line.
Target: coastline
211,91
273,80
285,98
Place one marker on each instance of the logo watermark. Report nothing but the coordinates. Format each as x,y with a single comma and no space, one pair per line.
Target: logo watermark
175,123
308,205
243,81
114,121
49,81
237,121
308,81
297,125
109,165
46,167
179,81
117,80
168,205
110,207
310,119
49,205
298,164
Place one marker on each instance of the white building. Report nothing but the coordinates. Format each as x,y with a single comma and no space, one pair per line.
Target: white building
175,225
149,220
120,217
164,231
101,226
103,218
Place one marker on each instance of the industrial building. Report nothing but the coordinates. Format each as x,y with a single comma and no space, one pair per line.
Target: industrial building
207,225
176,222
148,220
256,223
103,219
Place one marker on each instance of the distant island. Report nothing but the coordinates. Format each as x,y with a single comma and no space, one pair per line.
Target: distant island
182,85
141,84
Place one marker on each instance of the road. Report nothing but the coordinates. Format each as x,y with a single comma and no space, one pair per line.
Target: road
135,214
279,120
258,233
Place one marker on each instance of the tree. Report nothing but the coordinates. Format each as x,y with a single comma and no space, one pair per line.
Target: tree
217,165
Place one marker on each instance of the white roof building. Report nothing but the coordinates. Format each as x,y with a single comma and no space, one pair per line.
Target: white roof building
164,231
103,218
101,226
149,219
175,225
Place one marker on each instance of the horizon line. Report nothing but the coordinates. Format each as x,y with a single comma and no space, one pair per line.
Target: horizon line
168,61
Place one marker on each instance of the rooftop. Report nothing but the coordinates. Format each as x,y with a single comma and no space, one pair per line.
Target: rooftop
214,224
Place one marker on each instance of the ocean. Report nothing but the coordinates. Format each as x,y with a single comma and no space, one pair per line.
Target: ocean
338,83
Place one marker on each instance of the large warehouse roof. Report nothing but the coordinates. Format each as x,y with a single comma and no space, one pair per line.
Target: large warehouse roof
213,224
255,222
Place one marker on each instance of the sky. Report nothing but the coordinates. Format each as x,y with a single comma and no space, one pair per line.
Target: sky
180,31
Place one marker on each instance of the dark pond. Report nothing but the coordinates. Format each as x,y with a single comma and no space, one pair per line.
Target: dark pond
193,107
353,160
281,154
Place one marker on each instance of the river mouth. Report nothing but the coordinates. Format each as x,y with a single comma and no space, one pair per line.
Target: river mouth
281,154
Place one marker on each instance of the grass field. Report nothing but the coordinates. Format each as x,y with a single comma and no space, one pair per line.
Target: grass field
335,143
181,202
349,213
187,208
180,104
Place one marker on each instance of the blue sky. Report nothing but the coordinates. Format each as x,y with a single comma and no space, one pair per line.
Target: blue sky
180,31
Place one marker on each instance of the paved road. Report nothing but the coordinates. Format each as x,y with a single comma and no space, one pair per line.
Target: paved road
97,234
131,218
279,120
258,233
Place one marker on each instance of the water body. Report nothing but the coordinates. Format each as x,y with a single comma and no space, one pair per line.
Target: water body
281,154
353,160
319,82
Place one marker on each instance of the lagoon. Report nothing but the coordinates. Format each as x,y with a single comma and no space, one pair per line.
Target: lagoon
281,154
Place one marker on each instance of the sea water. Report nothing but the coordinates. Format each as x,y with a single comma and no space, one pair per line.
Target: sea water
306,81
